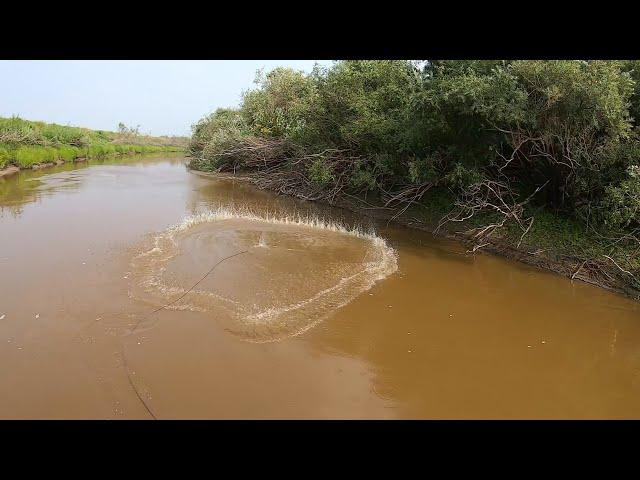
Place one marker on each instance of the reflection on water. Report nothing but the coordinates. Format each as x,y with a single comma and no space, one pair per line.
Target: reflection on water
440,335
26,187
30,186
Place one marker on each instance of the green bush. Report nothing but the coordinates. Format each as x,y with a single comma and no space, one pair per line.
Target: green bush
461,177
363,178
280,104
569,125
320,172
620,207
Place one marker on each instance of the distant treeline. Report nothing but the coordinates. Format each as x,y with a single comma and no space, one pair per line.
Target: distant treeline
491,142
26,143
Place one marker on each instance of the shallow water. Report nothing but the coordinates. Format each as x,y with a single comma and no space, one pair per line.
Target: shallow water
325,315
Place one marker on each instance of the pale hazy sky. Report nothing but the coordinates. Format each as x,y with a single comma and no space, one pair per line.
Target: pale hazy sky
164,97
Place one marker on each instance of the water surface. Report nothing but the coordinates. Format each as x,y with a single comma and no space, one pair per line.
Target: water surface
313,321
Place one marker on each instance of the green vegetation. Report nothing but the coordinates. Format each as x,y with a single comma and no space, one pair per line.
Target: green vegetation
25,143
535,154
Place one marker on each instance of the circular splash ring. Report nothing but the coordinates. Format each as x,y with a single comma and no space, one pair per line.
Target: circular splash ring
296,273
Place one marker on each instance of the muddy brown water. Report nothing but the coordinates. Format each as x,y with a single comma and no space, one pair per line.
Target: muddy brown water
311,322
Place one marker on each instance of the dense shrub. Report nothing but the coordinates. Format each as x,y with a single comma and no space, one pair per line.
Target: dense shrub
632,67
621,203
363,104
280,106
320,172
562,134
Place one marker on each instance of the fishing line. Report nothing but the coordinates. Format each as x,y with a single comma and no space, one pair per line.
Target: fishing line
122,348
189,290
141,321
124,357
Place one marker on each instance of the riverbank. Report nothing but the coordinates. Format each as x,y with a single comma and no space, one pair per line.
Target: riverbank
552,244
9,171
538,160
13,168
29,144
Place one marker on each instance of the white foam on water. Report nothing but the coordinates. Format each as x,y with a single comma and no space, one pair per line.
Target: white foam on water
257,323
303,221
262,243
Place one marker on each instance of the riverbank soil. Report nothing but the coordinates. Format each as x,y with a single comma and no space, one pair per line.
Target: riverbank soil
9,171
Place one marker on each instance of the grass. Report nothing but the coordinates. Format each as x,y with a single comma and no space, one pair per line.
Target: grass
21,131
4,157
26,143
553,232
28,156
567,237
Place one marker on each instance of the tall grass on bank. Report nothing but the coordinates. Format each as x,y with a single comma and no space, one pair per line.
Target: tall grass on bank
24,132
4,157
28,156
18,131
27,143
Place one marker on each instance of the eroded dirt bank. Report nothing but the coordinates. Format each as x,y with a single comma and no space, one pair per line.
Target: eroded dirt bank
9,171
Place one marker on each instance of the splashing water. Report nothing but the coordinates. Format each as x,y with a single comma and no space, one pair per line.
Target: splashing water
262,242
281,288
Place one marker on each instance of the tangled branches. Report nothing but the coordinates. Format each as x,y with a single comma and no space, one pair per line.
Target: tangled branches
484,206
491,196
405,197
290,169
286,168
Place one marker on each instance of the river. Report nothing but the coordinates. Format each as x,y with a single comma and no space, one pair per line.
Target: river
119,298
